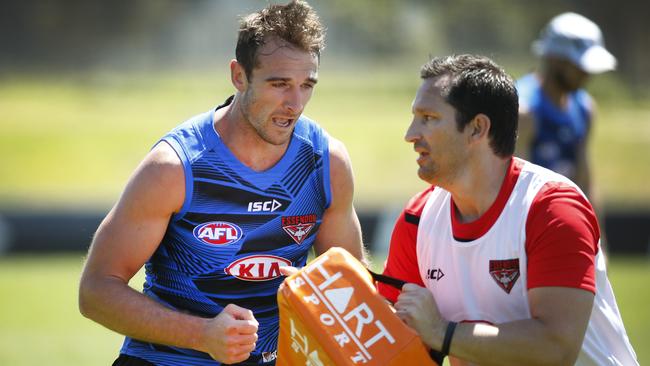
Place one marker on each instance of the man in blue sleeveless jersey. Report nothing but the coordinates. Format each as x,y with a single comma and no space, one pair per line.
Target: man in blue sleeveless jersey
220,204
556,113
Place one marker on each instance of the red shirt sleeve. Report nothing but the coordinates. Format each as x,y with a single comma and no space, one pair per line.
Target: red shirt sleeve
562,236
402,262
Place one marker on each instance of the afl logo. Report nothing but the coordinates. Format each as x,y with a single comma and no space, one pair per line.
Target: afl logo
257,267
218,233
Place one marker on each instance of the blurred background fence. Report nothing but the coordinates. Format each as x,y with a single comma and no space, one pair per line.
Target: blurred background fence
56,231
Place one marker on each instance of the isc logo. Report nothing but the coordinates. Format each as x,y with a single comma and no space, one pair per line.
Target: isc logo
264,206
218,233
257,267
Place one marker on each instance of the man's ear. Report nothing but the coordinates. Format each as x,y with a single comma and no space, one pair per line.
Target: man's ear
479,127
238,76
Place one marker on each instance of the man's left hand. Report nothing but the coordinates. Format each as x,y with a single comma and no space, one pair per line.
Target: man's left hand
417,308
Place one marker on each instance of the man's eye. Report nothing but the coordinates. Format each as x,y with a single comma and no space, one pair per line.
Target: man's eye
279,85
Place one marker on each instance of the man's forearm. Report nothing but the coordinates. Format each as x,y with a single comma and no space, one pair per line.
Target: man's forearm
524,342
112,303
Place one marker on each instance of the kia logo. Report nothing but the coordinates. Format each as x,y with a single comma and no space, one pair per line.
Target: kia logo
257,267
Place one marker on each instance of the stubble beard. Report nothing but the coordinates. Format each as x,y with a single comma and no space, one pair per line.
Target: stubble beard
441,175
432,174
427,174
249,99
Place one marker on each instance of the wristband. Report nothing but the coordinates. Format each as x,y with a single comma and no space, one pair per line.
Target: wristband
446,343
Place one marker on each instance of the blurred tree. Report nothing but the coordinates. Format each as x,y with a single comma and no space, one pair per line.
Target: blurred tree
69,34
370,26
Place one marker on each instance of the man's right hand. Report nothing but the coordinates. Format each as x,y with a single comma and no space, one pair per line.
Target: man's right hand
230,336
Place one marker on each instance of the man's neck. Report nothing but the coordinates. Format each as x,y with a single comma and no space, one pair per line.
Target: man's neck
243,140
475,192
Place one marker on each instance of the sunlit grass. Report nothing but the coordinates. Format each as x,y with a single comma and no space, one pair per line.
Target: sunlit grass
40,323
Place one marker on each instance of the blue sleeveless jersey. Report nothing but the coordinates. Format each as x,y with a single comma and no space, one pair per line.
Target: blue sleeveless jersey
557,132
237,227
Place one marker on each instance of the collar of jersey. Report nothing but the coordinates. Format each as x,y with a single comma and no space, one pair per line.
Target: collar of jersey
473,230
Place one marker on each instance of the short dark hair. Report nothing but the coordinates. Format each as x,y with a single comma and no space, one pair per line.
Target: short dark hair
295,23
478,85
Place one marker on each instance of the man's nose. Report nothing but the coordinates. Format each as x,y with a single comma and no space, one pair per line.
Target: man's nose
412,133
295,100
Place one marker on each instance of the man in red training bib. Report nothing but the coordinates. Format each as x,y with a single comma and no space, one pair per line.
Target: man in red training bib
503,254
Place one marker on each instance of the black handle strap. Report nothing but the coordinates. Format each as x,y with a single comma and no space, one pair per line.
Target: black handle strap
437,356
391,281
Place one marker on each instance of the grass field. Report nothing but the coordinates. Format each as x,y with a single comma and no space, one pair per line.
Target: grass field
40,323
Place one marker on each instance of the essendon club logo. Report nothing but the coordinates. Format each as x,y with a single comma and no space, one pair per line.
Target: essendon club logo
505,272
299,227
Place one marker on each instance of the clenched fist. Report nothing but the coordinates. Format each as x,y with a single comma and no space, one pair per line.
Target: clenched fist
230,336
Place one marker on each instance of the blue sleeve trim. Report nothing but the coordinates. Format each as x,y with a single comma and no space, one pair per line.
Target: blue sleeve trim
187,170
327,186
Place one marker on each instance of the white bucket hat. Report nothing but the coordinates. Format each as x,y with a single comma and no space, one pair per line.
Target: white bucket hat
578,39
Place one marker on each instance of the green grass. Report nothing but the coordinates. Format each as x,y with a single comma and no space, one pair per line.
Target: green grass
629,278
75,140
40,323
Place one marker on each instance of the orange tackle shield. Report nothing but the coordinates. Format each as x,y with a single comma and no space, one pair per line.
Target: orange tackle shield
331,314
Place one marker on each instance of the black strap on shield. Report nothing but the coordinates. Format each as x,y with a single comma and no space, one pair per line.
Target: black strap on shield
437,356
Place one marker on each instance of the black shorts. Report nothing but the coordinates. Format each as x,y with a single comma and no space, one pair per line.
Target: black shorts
126,360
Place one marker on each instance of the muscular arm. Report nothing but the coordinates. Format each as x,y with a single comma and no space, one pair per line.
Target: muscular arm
556,330
340,226
125,240
553,335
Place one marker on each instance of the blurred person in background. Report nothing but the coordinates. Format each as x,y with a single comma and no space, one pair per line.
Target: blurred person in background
502,256
556,113
220,204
